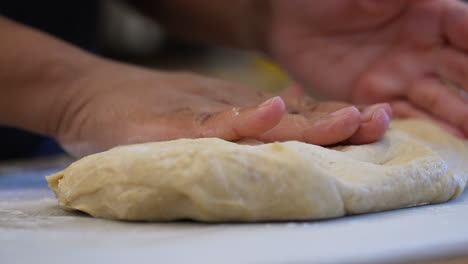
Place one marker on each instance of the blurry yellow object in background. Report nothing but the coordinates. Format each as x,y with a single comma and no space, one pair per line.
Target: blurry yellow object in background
275,78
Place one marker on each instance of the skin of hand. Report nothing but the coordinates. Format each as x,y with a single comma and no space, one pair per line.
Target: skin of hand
370,51
91,104
123,104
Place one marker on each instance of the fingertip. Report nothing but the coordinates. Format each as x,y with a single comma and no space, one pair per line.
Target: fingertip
273,109
278,104
383,118
346,121
388,109
368,113
373,129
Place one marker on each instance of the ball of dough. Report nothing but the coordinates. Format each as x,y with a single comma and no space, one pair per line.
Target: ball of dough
214,180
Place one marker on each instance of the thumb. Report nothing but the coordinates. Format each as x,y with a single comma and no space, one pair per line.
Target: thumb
236,123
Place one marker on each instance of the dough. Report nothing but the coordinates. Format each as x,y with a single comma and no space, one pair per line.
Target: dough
214,180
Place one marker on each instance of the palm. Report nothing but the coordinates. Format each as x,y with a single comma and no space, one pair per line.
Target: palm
399,52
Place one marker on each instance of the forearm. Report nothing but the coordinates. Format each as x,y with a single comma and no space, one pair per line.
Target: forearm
239,24
36,71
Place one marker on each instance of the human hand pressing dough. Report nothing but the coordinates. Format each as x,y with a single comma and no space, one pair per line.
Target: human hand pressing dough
118,104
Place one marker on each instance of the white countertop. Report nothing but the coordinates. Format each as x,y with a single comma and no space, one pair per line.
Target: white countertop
34,230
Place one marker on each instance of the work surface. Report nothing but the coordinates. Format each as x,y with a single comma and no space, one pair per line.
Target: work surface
34,230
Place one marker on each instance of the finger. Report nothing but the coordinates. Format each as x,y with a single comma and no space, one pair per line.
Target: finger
455,24
237,123
367,108
403,109
374,123
294,89
434,97
325,130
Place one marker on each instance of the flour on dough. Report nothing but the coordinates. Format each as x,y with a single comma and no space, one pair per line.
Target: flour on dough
215,180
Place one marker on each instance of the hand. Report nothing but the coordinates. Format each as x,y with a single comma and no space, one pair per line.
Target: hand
369,51
114,104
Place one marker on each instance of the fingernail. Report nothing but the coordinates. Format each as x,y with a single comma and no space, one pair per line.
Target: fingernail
268,102
344,111
370,112
381,114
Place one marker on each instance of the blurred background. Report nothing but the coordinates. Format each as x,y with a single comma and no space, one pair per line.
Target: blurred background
127,35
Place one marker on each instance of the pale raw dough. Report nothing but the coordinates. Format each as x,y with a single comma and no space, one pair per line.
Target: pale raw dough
214,180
